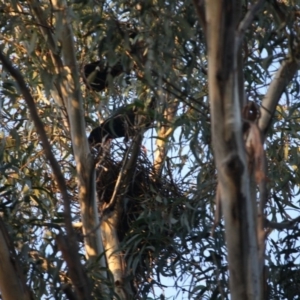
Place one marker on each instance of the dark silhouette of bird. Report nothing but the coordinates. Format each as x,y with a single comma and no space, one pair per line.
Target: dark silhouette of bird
96,74
123,123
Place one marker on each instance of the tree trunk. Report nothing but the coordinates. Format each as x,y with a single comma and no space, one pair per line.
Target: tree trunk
229,149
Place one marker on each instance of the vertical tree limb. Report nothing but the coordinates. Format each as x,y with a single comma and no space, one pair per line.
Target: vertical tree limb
112,216
70,91
229,150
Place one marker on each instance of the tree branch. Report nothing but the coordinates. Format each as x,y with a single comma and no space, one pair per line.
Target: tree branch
44,26
282,78
85,166
47,33
112,215
229,148
283,225
77,273
246,22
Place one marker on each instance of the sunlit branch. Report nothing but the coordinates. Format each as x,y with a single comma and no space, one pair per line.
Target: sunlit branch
76,271
282,78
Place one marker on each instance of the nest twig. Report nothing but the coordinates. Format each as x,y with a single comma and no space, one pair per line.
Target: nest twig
143,188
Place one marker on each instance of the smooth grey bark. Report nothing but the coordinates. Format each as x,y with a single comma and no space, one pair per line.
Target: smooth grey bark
68,90
222,20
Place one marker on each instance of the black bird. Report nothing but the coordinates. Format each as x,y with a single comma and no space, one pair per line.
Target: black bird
122,123
95,74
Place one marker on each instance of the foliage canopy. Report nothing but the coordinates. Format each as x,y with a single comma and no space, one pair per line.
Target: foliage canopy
169,215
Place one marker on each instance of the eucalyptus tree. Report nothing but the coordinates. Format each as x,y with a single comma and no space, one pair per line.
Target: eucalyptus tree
141,217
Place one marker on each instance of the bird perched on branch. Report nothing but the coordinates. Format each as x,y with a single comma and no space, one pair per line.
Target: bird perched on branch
123,123
96,74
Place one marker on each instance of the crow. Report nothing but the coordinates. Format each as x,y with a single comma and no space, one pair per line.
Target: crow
122,123
95,74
